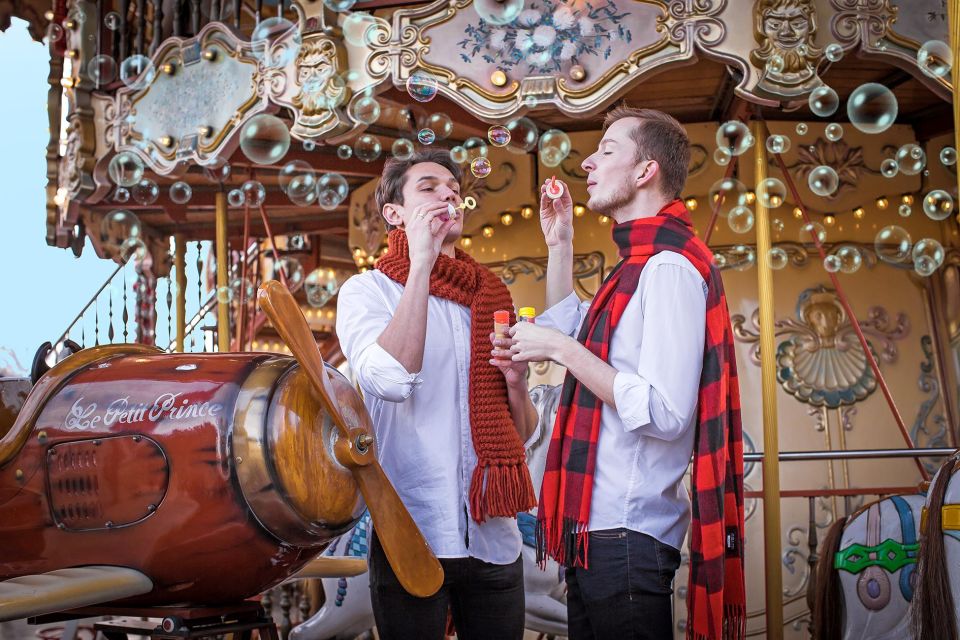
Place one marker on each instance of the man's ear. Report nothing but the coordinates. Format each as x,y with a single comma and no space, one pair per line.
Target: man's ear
392,215
647,171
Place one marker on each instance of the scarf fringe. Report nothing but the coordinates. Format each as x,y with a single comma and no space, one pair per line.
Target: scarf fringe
734,624
568,544
500,490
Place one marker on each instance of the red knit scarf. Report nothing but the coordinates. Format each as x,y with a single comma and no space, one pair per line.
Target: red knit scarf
501,485
716,599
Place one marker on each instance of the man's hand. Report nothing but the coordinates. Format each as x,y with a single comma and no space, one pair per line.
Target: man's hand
515,373
532,343
425,233
556,216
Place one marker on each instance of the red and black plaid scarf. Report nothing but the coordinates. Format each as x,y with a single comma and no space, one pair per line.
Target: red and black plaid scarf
716,600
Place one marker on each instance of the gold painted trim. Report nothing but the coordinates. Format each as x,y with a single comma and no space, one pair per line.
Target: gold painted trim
950,517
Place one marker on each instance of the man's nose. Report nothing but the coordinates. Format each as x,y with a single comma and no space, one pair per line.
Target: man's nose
587,165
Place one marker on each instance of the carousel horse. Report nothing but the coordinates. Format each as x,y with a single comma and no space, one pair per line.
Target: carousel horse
936,607
347,611
867,572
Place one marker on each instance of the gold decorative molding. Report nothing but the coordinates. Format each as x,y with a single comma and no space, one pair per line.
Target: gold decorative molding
586,267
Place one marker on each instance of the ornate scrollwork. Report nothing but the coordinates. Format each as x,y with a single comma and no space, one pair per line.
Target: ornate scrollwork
929,430
586,266
697,19
856,19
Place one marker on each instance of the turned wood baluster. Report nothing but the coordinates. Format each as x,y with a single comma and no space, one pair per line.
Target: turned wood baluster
141,25
194,17
124,25
236,13
157,25
178,18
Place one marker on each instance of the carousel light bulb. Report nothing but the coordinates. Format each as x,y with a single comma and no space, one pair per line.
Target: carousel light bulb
829,220
579,210
526,212
466,241
487,231
882,202
750,197
691,204
907,199
797,213
357,252
330,315
859,212
603,220
506,219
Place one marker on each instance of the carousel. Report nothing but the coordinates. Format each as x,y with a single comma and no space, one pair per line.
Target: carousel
191,457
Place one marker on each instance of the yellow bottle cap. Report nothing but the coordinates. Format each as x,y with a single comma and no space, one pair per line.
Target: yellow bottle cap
527,312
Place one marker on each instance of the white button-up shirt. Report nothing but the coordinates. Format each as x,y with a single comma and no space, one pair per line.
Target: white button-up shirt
646,442
422,420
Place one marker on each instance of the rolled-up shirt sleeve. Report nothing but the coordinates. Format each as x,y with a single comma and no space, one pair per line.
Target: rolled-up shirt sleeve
660,398
361,317
565,316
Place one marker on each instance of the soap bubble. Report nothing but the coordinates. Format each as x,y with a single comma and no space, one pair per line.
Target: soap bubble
498,12
772,193
722,157
925,266
125,169
355,26
475,148
938,205
320,286
402,149
332,190
422,87
927,256
217,170
731,191
498,136
458,154
180,192
810,230
339,5
118,226
235,198
480,167
911,159
344,152
824,101
935,59
112,21
121,195
426,136
802,128
850,258
365,110
833,52
102,69
740,219
264,139
777,258
293,270
831,263
734,137
54,32
254,192
145,192
524,134
833,131
777,225
299,181
892,244
743,257
948,156
775,64
889,168
905,210
872,108
823,180
276,41
777,144
440,124
309,145
137,72
367,148
554,147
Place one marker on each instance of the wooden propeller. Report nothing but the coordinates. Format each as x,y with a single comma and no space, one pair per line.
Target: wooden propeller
413,562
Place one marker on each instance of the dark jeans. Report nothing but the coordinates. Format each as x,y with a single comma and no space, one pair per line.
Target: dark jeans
625,592
486,600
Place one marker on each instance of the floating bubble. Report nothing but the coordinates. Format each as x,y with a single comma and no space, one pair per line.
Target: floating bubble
733,137
235,198
217,171
402,149
365,110
523,134
850,258
242,286
905,210
426,136
823,180
137,72
777,258
831,263
925,266
802,128
719,260
872,108
119,225
344,152
722,157
554,147
938,205
740,219
777,225
54,32
498,136
121,195
276,41
480,167
254,193
928,255
730,192
180,192
309,145
299,181
339,5
777,144
911,159
145,192
264,139
102,69
475,148
292,269
948,156
112,21
133,249
743,257
775,64
125,169
440,124
355,27
935,58
422,87
332,190
833,52
367,148
772,193
824,101
833,131
498,12
320,286
459,155
530,102
224,295
811,230
892,244
889,168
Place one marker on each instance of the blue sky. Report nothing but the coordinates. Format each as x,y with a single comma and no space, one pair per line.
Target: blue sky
43,287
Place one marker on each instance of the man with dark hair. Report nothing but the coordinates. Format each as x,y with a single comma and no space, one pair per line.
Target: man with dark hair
651,379
450,416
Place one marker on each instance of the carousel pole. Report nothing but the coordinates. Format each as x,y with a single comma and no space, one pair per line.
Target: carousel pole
223,250
953,11
768,375
180,264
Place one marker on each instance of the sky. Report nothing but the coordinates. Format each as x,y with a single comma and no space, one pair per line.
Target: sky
43,287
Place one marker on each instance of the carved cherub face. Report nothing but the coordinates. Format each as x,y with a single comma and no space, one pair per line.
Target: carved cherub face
789,27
